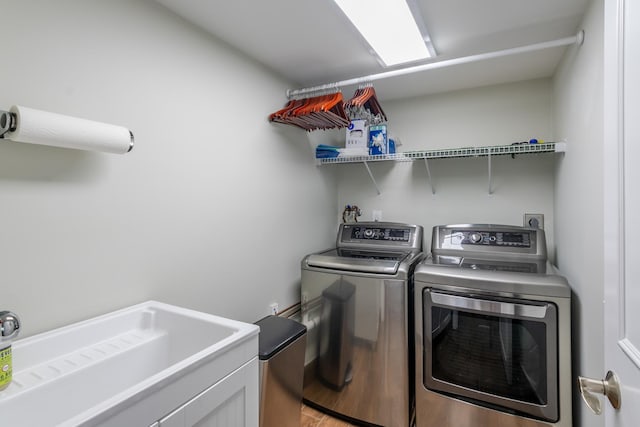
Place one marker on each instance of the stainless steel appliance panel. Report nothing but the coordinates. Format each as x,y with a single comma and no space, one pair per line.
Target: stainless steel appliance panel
492,331
356,303
280,387
357,362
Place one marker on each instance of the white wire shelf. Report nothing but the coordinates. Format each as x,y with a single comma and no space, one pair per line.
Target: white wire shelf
448,153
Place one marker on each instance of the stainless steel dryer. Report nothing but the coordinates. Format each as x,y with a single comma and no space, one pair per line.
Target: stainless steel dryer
356,304
493,331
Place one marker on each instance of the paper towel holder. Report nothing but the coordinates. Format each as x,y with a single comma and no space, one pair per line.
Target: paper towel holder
9,123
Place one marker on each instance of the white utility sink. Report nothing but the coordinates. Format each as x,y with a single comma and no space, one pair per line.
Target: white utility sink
127,368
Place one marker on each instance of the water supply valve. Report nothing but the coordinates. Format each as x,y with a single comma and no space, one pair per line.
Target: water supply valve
9,326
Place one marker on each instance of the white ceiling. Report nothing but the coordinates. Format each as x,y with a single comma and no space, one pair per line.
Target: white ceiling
310,42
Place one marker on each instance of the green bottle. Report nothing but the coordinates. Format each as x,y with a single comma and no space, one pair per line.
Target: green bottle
9,328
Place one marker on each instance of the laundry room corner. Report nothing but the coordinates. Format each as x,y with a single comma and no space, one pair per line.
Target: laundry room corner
178,217
458,190
579,197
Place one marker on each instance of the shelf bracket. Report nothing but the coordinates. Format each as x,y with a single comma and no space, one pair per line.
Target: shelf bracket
489,161
366,165
433,188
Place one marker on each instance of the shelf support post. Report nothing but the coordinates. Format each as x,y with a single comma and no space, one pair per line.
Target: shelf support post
489,161
433,188
366,165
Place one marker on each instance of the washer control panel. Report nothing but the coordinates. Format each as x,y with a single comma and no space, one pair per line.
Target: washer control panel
380,235
374,233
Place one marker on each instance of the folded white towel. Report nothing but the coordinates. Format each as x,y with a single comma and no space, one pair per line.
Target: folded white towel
352,152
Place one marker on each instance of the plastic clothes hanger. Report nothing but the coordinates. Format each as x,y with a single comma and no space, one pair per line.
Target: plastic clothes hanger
319,112
364,104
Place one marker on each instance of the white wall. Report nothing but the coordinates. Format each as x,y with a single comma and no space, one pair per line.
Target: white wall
494,115
194,215
578,98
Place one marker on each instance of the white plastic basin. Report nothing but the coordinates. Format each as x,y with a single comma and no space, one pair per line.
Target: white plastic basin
85,373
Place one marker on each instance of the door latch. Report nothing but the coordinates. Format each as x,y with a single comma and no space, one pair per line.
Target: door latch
609,387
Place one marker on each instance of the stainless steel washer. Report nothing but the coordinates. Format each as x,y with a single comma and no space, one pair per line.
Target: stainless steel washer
493,330
356,304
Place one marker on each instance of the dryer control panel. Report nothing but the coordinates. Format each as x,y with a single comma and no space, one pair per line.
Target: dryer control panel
488,239
520,239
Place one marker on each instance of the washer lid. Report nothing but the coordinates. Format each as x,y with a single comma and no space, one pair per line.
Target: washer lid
360,261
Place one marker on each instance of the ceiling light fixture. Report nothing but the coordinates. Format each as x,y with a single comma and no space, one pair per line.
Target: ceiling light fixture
390,28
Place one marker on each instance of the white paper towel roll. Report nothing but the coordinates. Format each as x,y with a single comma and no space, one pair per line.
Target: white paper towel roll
42,127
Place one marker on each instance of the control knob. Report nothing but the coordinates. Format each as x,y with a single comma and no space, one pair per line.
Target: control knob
475,237
368,233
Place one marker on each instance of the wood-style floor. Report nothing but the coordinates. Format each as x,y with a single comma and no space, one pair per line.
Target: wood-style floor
312,418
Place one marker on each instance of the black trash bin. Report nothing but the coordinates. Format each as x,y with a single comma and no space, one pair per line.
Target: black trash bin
282,344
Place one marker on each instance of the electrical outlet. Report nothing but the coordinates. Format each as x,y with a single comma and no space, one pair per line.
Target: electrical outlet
273,308
534,220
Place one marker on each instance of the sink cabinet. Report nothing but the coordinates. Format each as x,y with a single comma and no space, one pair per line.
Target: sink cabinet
231,402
